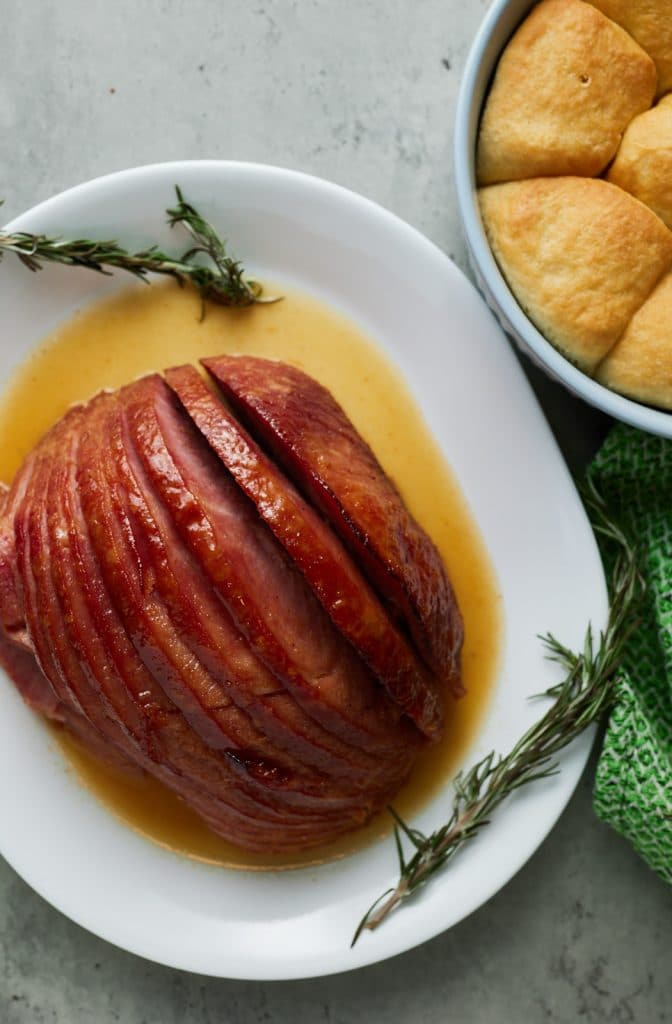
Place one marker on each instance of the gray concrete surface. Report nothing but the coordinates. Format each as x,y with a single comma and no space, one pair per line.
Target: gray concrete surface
363,92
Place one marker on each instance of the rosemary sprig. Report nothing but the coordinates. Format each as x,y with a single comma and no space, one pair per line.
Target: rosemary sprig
239,290
579,700
222,280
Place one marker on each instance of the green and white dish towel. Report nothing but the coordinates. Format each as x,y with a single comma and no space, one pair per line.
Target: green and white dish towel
633,786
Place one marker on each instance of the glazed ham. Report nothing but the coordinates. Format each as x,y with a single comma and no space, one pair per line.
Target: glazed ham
232,601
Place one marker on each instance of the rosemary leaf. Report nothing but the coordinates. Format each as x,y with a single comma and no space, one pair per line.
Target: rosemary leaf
219,279
580,700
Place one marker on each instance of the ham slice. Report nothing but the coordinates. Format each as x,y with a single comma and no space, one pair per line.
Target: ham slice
316,551
238,676
310,436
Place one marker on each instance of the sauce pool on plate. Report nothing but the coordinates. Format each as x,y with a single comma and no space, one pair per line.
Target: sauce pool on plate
145,329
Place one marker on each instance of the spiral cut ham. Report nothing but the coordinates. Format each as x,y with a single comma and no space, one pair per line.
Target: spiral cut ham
222,588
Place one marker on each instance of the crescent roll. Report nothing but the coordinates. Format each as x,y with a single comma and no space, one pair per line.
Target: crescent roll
580,255
565,89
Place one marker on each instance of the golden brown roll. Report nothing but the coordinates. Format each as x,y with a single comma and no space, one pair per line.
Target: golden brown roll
565,89
640,364
580,255
650,23
643,164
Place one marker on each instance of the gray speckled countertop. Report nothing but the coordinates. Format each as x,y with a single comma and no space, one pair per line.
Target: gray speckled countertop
363,92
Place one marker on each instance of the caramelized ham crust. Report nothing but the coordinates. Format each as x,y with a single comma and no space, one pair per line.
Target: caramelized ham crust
320,450
224,611
315,549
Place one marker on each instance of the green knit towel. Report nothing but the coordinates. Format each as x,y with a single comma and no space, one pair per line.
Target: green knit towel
633,787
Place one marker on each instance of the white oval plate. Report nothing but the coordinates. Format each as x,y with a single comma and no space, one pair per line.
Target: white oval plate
406,294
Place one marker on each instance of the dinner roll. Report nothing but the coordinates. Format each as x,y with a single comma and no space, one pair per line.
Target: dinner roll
643,164
650,23
580,255
640,364
565,88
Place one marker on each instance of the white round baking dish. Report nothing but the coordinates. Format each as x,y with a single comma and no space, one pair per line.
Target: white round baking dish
497,28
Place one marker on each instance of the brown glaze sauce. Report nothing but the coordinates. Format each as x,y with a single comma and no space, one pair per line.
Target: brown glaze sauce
145,329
